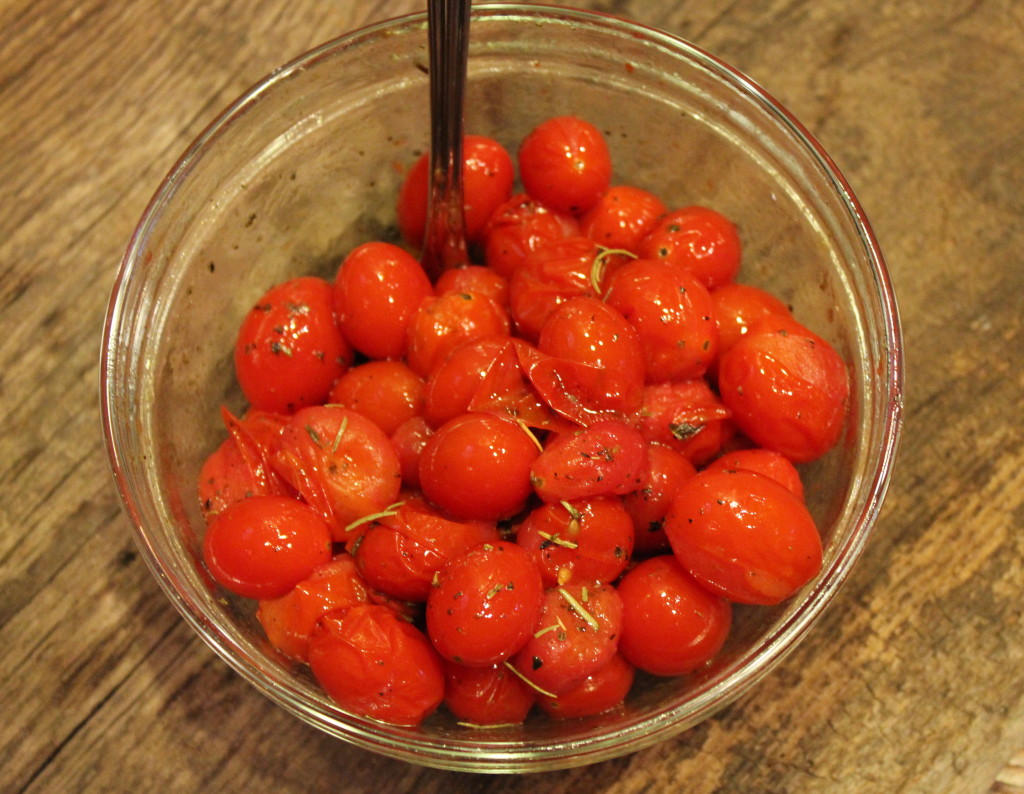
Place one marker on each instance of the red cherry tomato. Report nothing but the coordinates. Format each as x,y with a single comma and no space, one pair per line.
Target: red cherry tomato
738,306
598,693
401,553
409,441
289,620
385,392
453,382
670,624
744,536
374,663
673,316
763,461
261,547
686,416
787,389
486,695
701,240
377,290
444,322
476,279
574,637
341,463
289,350
487,178
608,457
485,604
518,227
647,506
587,540
622,217
477,467
564,163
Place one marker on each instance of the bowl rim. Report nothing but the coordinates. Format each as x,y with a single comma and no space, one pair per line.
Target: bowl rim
517,756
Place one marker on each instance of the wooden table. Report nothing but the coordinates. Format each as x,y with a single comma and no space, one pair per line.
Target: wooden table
913,681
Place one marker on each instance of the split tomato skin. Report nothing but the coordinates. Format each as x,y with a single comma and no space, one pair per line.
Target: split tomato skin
648,505
486,695
598,693
376,664
261,547
744,536
518,227
671,625
484,605
289,350
447,320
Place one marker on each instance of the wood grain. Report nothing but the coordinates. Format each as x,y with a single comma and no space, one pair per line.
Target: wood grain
910,684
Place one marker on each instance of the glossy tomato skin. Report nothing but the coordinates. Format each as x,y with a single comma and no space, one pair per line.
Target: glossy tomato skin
622,217
686,416
341,463
377,290
409,440
289,620
385,392
744,536
608,457
477,467
587,540
671,625
576,634
673,316
289,350
444,322
487,177
647,506
518,227
600,692
564,163
738,306
763,461
452,382
787,389
476,279
699,239
485,604
491,695
372,662
261,547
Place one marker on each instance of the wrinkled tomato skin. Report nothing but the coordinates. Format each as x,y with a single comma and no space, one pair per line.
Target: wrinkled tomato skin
341,463
486,695
261,547
763,461
787,389
647,506
607,457
686,416
671,625
444,322
289,350
565,646
377,290
598,693
484,605
385,392
564,163
289,620
673,316
452,382
587,540
744,536
477,467
517,228
699,239
374,663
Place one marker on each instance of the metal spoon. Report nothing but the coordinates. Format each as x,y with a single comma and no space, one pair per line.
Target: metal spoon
444,243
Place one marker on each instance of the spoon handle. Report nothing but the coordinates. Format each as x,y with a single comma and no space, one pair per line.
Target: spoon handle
445,239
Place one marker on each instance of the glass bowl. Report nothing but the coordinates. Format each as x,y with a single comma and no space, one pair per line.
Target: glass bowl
307,164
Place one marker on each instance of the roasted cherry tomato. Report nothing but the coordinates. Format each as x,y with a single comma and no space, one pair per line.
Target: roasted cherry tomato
261,547
518,227
378,289
289,350
564,163
477,467
487,179
699,239
444,322
588,540
490,696
668,469
476,279
341,463
738,306
744,536
376,664
386,392
686,416
600,692
787,389
485,604
453,382
576,634
671,625
763,461
622,217
409,441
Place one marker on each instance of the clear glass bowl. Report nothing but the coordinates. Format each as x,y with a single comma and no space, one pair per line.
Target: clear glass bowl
306,165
